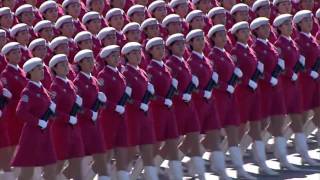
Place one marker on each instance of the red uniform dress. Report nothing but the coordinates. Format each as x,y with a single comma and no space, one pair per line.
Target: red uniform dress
164,120
289,52
92,135
226,103
3,63
25,55
36,146
4,133
140,124
187,123
67,138
249,100
115,126
309,48
47,80
272,99
208,116
14,79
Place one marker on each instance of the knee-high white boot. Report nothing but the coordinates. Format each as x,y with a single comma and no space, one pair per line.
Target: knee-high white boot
302,149
259,154
218,164
197,167
175,170
104,178
237,160
8,176
151,173
280,152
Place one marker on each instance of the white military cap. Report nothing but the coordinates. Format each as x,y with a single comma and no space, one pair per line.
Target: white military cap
239,7
62,20
195,1
193,14
175,37
37,42
24,8
136,8
300,15
30,64
5,11
276,2
156,4
105,32
108,50
216,10
81,36
17,28
175,3
133,26
148,22
281,19
216,28
47,5
194,33
318,13
114,12
2,32
86,53
57,41
154,42
238,26
130,46
257,22
57,59
68,2
90,16
259,3
10,46
42,24
170,19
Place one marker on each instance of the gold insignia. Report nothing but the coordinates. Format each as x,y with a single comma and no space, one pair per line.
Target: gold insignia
25,98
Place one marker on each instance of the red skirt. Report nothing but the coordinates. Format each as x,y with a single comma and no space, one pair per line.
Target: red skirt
310,89
292,96
4,133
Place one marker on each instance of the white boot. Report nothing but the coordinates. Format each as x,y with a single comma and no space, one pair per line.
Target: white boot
236,158
302,149
150,173
123,175
218,164
318,137
259,155
8,176
104,178
280,152
175,170
198,166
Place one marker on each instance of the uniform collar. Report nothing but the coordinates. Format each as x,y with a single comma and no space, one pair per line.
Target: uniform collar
16,67
200,55
86,75
306,34
264,41
181,59
220,49
38,84
135,68
243,45
65,80
287,38
160,63
114,69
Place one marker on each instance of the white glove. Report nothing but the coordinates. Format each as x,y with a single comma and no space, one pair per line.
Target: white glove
120,109
6,93
195,80
294,77
151,88
215,77
168,102
302,60
207,94
281,63
230,89
260,66
102,97
94,116
79,100
186,97
53,106
273,81
144,107
237,71
253,84
73,120
0,113
128,91
314,74
42,123
174,83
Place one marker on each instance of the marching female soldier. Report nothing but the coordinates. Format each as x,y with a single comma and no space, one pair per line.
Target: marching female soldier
35,110
113,118
66,130
93,100
140,124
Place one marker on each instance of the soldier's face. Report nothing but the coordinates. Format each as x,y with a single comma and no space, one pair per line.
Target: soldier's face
241,16
113,59
62,68
6,21
243,35
306,24
182,10
157,52
68,30
110,40
37,74
220,38
141,2
47,34
219,19
160,13
263,31
117,22
204,5
86,44
198,43
74,10
14,56
97,5
134,36
264,11
28,18
285,7
138,17
40,51
118,3
307,4
174,27
286,28
178,48
197,23
87,65
51,14
23,37
3,41
153,31
94,26
9,3
134,57
227,4
62,49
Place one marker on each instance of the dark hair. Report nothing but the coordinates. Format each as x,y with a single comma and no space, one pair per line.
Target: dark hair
79,67
235,37
279,31
211,40
298,27
126,59
254,32
53,71
28,75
